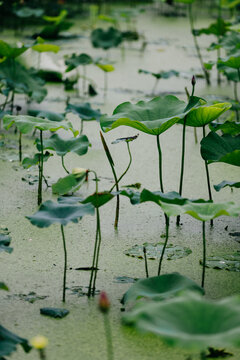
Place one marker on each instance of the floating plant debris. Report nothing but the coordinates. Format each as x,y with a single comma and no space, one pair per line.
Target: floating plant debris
153,251
230,262
125,280
31,297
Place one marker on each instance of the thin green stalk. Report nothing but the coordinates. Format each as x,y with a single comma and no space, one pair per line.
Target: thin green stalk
81,127
160,163
108,334
236,97
206,74
65,264
84,79
145,261
97,252
155,86
129,164
219,40
63,165
42,354
208,177
20,146
12,102
195,135
40,171
182,162
204,253
164,246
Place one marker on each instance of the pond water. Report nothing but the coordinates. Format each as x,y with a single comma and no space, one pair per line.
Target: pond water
36,262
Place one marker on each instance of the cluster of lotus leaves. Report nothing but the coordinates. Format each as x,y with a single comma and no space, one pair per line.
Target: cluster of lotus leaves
190,321
159,114
106,39
26,124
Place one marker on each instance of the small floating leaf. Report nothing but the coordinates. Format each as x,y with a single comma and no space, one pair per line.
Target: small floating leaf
230,262
4,243
160,287
54,312
154,251
30,297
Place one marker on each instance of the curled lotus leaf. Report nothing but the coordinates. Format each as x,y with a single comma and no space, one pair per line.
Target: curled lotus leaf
99,199
152,117
26,124
79,145
35,160
190,321
226,148
9,342
68,184
161,74
125,139
225,183
51,212
160,287
84,111
106,39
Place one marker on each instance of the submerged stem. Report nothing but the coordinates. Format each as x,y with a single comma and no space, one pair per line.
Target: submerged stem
65,264
63,165
204,253
164,246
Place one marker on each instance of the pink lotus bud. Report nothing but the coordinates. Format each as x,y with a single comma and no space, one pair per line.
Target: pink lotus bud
193,81
104,303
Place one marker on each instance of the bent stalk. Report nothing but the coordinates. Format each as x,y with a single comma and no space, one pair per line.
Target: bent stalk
164,246
129,164
63,165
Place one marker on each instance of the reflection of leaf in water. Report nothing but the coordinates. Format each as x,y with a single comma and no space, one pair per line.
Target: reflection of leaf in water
125,279
30,297
30,179
230,262
154,251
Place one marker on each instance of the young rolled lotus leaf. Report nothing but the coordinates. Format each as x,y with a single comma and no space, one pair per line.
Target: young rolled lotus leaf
106,39
225,148
9,342
160,287
85,112
190,321
224,183
42,47
50,213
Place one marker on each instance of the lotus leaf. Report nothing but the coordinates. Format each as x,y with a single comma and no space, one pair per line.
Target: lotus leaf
79,145
84,111
22,80
99,199
50,115
161,74
154,251
27,124
28,162
106,39
160,287
230,4
134,196
51,212
190,321
228,127
230,262
68,184
8,51
54,312
219,28
76,60
3,286
225,183
232,60
9,342
106,67
46,48
152,117
52,31
226,148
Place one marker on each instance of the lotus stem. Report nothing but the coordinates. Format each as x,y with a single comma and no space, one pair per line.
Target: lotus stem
155,86
93,268
204,253
129,164
219,39
97,251
65,264
12,101
164,246
63,165
195,135
236,97
81,127
42,354
40,171
182,162
206,73
145,261
20,146
109,157
84,79
108,333
208,177
160,163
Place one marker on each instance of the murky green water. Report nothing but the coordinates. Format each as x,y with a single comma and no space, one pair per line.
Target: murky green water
37,260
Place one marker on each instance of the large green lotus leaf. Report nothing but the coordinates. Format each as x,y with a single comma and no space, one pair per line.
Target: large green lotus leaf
228,127
232,60
74,61
27,124
68,184
206,114
50,115
79,145
46,48
190,321
199,209
152,117
84,111
225,148
160,287
98,200
8,51
220,27
9,342
51,212
231,41
3,286
28,162
106,39
225,183
22,80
